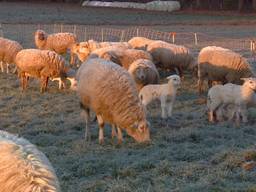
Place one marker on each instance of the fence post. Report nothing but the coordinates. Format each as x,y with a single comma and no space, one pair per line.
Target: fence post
1,31
137,32
74,29
122,36
196,40
251,45
102,34
61,28
38,26
85,34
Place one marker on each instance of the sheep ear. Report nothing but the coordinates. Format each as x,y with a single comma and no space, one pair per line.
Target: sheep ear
245,79
169,77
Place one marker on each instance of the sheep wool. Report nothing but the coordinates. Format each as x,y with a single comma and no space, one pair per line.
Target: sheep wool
140,42
23,167
8,52
111,93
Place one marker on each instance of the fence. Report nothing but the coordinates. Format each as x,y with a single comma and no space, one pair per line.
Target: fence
24,33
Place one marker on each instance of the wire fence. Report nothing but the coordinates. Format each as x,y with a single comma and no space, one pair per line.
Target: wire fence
24,33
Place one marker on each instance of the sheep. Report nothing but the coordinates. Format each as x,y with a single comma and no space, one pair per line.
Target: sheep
43,64
140,42
144,72
23,167
239,95
58,42
170,56
8,52
123,57
166,93
84,49
70,75
110,92
223,65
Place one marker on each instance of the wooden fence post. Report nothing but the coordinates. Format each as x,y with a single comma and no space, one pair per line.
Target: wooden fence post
196,39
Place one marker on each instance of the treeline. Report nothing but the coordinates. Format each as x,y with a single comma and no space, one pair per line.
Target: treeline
240,5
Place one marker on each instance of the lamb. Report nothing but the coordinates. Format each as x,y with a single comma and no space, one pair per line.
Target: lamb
123,57
84,49
166,93
58,42
8,52
110,92
43,64
170,56
240,96
144,72
140,42
224,65
23,167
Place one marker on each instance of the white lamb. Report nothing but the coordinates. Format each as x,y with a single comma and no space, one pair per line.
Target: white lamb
239,95
166,93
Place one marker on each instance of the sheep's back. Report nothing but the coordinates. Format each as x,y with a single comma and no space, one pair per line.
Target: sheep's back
60,42
8,50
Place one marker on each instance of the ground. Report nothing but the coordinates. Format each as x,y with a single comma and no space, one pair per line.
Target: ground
187,153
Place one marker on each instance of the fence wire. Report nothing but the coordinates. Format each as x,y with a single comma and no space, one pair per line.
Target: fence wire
24,33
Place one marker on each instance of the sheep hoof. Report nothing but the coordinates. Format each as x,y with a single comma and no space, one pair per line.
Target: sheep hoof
101,141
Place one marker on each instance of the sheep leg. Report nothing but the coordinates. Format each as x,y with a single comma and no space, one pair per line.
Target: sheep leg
119,136
180,72
101,129
2,66
15,69
163,107
209,84
113,131
72,58
86,114
26,81
7,67
44,83
23,81
199,85
244,114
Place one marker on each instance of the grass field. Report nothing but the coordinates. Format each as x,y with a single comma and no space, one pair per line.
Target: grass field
187,153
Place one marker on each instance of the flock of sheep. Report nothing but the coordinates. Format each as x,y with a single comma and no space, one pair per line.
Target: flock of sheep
117,80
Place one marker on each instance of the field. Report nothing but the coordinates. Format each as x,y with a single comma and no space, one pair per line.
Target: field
187,153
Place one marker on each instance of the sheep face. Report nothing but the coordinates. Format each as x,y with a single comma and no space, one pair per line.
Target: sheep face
251,82
81,50
40,39
140,74
140,132
175,80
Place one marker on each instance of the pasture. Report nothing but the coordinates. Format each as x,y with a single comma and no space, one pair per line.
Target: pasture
187,153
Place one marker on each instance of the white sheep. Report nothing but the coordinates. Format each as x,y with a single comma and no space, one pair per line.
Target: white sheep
223,65
240,96
144,72
8,52
166,93
42,64
58,42
23,168
140,42
171,57
110,91
84,49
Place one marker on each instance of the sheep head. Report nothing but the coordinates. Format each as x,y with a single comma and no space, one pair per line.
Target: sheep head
40,38
81,50
250,82
174,80
140,131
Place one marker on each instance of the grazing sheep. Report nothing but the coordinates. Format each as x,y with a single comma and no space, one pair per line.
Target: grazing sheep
84,49
23,167
240,96
110,92
140,42
123,57
223,65
58,42
169,56
8,52
144,72
42,64
166,93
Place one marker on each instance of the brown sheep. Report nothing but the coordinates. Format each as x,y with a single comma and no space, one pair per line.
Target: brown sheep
42,64
144,72
170,56
8,52
110,92
58,42
221,65
140,42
